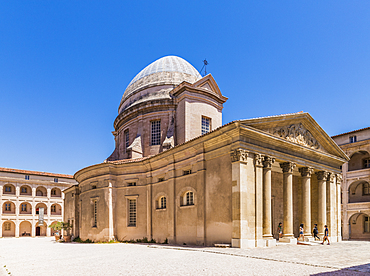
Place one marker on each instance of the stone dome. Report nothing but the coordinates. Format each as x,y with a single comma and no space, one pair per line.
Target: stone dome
169,70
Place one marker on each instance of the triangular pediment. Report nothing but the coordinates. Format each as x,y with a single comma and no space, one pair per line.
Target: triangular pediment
208,83
298,128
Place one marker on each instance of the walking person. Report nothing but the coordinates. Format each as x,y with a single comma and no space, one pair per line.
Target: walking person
315,232
280,230
301,236
326,235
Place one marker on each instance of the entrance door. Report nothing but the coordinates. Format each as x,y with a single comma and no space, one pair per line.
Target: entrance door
37,231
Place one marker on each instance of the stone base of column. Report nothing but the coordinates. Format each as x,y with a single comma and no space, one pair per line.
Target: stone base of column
261,243
339,239
243,243
309,239
270,242
290,240
333,238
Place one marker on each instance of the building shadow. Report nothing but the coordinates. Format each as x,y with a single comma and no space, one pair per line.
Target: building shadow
357,270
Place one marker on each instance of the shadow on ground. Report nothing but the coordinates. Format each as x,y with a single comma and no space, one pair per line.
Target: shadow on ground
352,270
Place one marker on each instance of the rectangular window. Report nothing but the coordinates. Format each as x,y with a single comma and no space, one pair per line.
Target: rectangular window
7,207
95,210
206,125
56,180
24,190
367,163
53,209
186,172
8,189
161,179
367,225
132,212
131,184
27,177
24,207
7,226
93,186
155,133
353,139
126,134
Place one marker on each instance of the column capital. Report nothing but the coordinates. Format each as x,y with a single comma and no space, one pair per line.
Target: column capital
287,167
306,171
331,177
239,155
258,160
339,178
322,175
268,161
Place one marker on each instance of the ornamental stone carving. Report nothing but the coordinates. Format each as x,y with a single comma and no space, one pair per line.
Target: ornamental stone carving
339,178
322,175
268,161
306,171
287,167
239,155
331,177
296,133
258,159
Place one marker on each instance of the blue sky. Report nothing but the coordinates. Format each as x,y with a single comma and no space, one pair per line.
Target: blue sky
64,66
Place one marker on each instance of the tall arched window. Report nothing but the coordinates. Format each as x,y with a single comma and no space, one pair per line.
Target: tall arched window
367,224
188,198
162,202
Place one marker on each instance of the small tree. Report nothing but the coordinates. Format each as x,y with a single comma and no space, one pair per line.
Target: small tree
57,227
66,227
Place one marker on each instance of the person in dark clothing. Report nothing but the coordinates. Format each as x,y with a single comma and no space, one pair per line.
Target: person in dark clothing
315,232
326,235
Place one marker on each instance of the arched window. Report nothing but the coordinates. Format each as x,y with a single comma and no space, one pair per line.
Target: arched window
188,198
162,202
365,189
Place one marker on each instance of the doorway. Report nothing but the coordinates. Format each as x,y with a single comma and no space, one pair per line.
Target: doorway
37,231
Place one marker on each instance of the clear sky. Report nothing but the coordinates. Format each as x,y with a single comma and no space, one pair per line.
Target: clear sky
64,66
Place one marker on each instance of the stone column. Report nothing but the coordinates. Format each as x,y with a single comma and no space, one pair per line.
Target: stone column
17,191
267,212
332,202
321,177
48,193
288,235
306,201
16,228
339,205
243,200
258,159
33,229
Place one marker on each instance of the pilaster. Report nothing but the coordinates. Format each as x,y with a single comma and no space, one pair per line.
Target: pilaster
243,200
339,211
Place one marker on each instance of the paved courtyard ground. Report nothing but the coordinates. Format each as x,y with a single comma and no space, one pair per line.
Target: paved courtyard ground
44,256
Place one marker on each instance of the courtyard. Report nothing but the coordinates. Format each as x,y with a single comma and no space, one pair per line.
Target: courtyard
44,256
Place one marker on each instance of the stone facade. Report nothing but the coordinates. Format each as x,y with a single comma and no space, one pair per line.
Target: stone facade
23,193
356,184
229,184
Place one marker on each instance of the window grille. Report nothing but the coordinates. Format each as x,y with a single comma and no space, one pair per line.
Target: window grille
206,125
95,213
132,212
7,207
367,224
353,139
186,172
162,203
365,189
189,198
7,226
155,132
24,207
127,138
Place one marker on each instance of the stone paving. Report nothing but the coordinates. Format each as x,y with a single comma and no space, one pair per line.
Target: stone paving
43,256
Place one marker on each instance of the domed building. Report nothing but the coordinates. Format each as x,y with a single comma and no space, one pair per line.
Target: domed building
178,175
